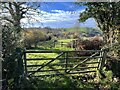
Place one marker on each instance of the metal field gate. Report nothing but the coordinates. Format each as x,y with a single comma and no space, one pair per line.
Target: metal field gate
54,62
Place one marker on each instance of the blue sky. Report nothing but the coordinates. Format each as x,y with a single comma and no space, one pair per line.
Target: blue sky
60,15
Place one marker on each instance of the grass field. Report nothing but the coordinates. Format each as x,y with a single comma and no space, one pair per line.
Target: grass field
66,81
65,40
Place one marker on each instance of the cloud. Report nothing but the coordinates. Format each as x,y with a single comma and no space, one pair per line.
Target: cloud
46,17
67,24
55,19
60,15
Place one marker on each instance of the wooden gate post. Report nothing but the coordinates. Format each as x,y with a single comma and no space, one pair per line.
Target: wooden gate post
100,59
25,63
19,66
102,63
20,61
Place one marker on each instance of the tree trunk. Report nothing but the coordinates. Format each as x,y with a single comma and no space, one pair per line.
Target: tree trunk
119,42
111,37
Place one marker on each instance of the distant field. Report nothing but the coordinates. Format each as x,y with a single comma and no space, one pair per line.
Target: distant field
65,40
81,29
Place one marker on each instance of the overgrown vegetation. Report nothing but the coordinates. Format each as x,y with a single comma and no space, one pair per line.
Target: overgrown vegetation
33,37
12,67
81,81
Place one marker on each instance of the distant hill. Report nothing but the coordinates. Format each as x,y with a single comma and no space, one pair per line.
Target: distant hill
85,30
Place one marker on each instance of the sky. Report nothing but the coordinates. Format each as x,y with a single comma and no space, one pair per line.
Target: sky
58,15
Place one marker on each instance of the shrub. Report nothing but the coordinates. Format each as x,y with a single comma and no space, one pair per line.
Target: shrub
33,37
10,41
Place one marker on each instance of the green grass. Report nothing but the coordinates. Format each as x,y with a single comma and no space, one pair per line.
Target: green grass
52,55
66,81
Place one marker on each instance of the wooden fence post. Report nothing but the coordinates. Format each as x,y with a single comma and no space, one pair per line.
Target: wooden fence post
61,44
55,41
66,61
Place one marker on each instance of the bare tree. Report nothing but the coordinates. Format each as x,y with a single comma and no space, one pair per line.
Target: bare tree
11,14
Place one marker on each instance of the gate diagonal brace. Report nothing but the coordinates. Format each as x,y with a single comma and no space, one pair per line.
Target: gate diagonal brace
81,62
47,63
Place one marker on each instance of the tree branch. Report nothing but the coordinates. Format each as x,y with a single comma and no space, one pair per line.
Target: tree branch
5,18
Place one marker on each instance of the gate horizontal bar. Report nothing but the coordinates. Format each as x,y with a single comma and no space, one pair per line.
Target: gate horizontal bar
63,69
57,74
59,51
61,64
81,72
64,58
